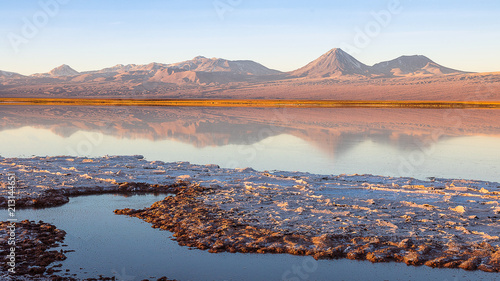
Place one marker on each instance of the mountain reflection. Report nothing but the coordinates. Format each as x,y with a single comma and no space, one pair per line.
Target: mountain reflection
333,131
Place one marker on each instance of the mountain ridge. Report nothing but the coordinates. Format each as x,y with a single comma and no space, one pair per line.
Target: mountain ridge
60,71
333,63
200,70
7,75
207,74
201,63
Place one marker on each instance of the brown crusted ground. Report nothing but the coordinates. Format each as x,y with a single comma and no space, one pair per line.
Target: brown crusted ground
33,244
196,224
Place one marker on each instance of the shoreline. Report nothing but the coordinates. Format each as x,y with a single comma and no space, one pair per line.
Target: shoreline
445,223
273,103
58,197
34,255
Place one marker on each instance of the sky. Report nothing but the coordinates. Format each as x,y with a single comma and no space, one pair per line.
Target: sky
36,36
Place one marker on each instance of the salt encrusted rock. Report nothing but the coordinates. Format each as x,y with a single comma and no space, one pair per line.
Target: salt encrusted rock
471,264
458,209
34,241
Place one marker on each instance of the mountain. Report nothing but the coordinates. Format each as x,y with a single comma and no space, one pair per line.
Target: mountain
60,71
244,67
205,71
9,75
411,66
332,64
63,70
180,76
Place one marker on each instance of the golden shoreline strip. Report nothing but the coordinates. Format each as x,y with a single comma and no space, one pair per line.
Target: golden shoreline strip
250,103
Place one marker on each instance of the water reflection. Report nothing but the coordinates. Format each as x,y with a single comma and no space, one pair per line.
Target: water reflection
395,142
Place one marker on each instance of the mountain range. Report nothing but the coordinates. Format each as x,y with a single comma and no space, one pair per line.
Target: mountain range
202,70
334,75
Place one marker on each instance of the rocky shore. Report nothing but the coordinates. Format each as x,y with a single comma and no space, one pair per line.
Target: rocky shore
32,253
207,227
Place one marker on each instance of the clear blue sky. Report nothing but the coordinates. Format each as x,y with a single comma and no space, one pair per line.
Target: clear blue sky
284,34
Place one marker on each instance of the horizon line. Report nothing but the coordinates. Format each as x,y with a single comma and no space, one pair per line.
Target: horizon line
300,103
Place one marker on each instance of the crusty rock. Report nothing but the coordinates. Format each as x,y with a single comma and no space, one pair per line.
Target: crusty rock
207,227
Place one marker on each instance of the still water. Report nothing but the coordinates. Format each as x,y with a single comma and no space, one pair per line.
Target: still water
418,143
